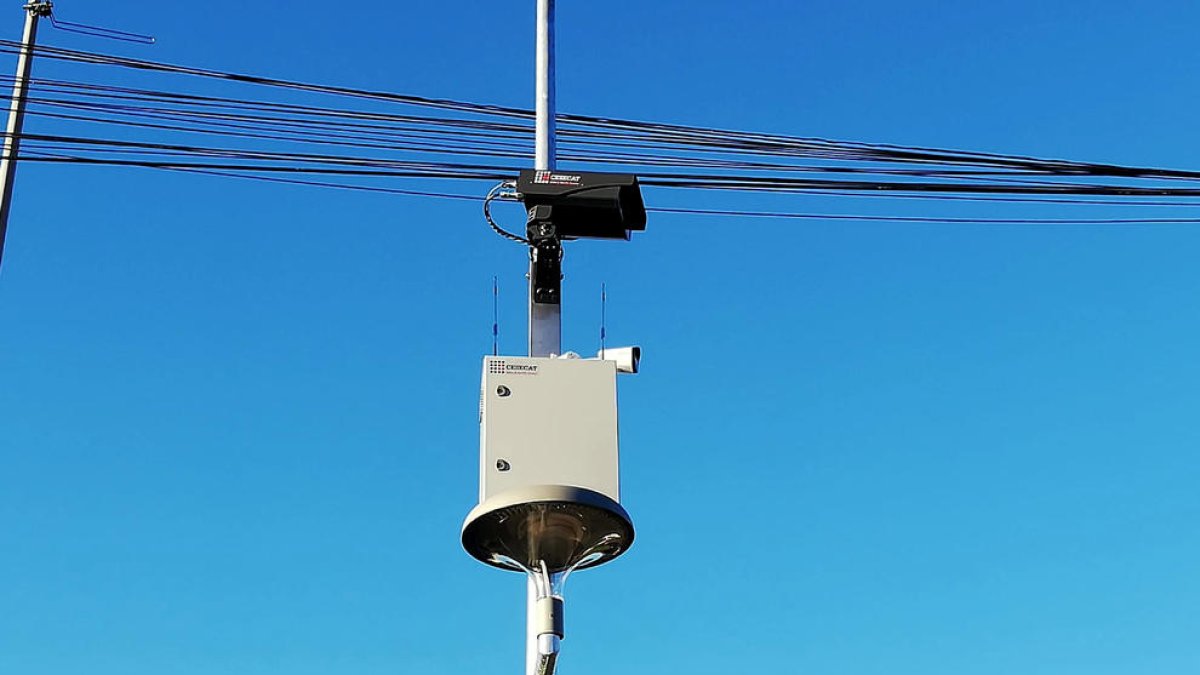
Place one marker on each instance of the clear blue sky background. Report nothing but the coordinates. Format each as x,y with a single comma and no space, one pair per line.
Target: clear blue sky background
238,421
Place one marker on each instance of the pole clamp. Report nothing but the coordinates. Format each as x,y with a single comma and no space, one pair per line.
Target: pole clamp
545,250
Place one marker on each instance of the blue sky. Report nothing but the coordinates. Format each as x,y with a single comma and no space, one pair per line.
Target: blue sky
238,421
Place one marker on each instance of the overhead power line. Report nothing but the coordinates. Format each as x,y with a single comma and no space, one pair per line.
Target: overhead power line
693,135
227,171
382,136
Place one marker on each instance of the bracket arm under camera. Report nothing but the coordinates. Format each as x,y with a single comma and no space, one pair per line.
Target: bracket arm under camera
545,251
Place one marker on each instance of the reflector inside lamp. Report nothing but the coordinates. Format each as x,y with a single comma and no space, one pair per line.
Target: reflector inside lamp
554,536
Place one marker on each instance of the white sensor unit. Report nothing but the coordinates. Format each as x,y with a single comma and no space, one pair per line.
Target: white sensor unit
548,478
626,358
548,421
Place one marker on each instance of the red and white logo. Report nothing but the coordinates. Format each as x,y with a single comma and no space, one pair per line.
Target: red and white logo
551,178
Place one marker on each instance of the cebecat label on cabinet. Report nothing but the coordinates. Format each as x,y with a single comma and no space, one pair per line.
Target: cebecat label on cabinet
506,368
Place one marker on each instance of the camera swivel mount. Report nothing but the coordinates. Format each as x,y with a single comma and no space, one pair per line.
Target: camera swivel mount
545,256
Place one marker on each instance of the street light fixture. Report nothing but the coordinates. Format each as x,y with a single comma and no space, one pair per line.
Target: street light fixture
548,479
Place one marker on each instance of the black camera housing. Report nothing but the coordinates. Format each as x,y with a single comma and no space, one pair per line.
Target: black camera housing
586,205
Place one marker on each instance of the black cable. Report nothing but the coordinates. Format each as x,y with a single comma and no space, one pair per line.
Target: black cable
462,126
385,167
676,180
296,125
313,138
141,64
326,138
628,159
259,168
1005,200
695,135
487,213
783,186
994,178
294,181
702,212
667,210
97,31
928,219
908,155
157,148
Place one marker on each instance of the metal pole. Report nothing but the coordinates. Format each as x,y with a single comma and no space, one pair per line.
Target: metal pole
34,10
531,638
544,148
545,319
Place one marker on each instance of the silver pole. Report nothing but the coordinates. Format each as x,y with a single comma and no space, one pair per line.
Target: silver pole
34,10
531,627
545,320
544,148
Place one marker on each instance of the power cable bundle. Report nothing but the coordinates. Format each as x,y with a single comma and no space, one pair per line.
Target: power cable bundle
368,140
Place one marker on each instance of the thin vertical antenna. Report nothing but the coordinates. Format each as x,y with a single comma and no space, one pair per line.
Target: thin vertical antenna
495,317
603,317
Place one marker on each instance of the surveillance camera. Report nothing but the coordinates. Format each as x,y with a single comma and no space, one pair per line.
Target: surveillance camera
626,358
